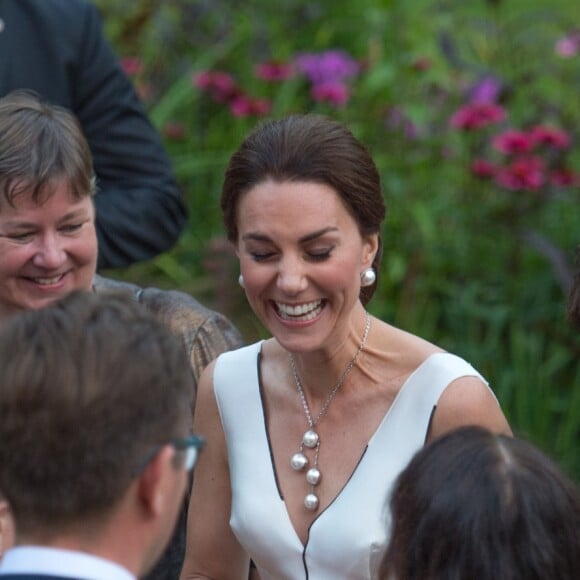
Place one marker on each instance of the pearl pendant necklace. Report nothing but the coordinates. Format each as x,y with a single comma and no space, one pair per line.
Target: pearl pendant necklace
310,439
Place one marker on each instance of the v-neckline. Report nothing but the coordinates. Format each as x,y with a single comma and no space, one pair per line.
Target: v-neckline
353,473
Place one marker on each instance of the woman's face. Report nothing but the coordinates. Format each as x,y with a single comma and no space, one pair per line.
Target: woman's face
47,250
301,255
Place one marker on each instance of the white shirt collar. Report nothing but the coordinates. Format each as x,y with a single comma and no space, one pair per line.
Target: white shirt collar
59,562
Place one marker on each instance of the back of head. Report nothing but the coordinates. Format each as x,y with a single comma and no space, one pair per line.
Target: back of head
308,148
41,144
473,504
88,386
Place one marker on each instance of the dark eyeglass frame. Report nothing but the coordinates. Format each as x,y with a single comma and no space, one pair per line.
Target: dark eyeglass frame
192,445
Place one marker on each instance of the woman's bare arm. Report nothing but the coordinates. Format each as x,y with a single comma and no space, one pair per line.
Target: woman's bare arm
212,550
467,401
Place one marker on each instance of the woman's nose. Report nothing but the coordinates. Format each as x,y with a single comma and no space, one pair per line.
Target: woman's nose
50,253
291,277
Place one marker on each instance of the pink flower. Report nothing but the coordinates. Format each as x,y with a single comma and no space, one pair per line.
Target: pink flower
568,46
221,85
483,168
274,71
244,106
487,90
334,93
523,173
564,177
550,136
261,107
513,142
477,115
132,65
327,67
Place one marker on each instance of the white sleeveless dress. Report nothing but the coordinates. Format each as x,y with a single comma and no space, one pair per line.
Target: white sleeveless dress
348,538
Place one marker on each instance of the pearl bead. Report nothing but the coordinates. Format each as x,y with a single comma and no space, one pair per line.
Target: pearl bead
313,476
298,461
368,277
311,502
310,439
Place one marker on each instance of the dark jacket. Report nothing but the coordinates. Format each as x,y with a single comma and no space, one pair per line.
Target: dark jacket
57,49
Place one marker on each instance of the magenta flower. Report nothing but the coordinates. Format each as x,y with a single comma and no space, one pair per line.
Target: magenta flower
564,177
483,168
477,115
244,106
221,85
524,173
131,65
334,93
327,67
513,142
487,90
274,71
568,46
551,137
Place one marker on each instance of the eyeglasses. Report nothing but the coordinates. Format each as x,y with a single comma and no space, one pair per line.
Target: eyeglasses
191,445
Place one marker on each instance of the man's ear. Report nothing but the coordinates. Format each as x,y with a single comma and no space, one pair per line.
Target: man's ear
153,485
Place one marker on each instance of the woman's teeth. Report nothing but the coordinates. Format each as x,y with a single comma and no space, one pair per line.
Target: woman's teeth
47,281
306,311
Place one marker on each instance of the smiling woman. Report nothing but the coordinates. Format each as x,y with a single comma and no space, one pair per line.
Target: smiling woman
308,430
48,244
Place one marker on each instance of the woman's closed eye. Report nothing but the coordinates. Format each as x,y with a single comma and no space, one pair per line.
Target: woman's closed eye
20,236
71,228
320,255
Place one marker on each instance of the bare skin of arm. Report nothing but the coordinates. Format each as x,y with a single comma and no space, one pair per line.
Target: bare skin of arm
212,550
467,401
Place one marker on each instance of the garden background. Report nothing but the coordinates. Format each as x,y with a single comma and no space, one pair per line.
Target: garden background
472,113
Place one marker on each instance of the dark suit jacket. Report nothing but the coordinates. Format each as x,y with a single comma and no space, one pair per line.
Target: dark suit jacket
57,49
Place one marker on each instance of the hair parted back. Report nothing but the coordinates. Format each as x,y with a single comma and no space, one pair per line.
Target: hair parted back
88,385
473,504
41,144
308,148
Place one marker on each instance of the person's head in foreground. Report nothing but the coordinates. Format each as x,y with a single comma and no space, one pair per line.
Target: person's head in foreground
473,504
48,243
95,427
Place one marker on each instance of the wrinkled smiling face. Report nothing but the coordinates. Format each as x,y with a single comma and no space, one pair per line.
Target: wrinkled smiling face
47,250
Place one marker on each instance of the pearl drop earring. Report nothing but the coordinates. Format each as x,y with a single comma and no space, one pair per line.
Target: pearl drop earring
368,277
241,281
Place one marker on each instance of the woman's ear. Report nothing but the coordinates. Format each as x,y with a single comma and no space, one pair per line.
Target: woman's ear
370,249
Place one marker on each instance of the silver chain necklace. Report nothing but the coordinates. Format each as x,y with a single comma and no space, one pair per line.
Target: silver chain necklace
310,439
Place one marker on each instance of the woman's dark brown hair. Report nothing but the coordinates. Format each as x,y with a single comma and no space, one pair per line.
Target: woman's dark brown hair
308,148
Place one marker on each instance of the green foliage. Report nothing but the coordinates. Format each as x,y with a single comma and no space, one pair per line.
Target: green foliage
476,267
